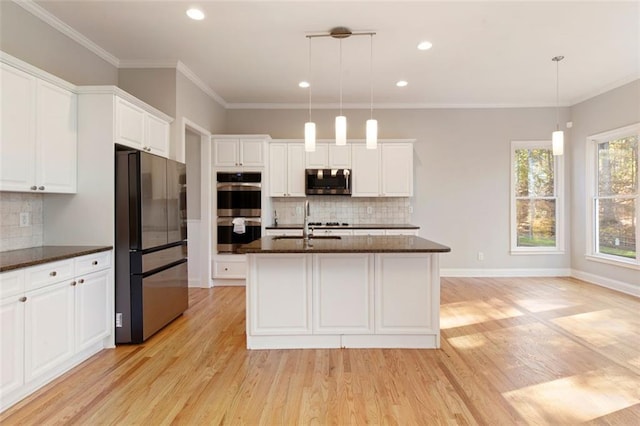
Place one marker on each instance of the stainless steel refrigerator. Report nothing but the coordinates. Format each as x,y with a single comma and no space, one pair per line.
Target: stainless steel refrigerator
151,244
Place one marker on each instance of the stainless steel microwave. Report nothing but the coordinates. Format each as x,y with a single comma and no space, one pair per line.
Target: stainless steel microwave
328,182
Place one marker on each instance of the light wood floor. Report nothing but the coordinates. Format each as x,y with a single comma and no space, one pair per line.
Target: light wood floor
514,351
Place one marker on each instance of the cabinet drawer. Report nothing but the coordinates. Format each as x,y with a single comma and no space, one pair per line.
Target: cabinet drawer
230,269
49,273
11,283
93,262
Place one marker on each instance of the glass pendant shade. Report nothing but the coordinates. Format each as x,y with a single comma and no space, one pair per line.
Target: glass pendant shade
341,130
309,136
372,134
557,142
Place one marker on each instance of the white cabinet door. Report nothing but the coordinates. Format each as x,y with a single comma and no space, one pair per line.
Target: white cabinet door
366,171
251,152
93,318
368,232
405,291
279,294
56,133
18,137
11,344
284,232
401,232
225,152
343,293
332,232
130,124
49,328
397,169
157,136
339,157
318,159
278,186
296,170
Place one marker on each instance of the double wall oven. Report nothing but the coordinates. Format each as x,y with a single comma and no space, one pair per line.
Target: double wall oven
239,209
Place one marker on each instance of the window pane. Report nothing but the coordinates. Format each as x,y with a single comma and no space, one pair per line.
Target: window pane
617,227
618,167
536,223
534,173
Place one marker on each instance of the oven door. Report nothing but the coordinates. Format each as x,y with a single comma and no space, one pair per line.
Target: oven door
229,241
239,199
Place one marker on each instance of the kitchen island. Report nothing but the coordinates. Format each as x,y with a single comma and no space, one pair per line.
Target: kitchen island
349,291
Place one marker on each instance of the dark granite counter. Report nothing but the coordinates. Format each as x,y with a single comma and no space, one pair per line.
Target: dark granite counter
351,226
23,258
345,244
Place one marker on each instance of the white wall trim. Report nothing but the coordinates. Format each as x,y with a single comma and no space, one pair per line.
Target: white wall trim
609,283
35,71
383,106
532,272
37,11
186,71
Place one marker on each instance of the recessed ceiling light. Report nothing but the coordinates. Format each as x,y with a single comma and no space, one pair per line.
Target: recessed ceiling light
401,83
425,45
195,14
304,84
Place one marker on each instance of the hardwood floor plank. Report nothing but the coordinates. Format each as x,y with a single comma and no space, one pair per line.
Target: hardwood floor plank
514,351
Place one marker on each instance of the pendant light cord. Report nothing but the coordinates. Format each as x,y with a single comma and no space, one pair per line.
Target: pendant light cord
309,77
340,76
558,94
371,72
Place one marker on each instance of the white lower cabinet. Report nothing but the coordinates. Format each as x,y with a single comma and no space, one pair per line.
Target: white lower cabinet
54,316
283,232
343,293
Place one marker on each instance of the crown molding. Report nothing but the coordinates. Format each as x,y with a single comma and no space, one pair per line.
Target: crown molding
606,88
186,71
133,63
381,106
33,8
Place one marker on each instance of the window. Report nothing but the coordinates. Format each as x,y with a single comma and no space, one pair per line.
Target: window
536,202
614,204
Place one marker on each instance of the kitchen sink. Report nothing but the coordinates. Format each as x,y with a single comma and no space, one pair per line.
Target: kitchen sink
311,237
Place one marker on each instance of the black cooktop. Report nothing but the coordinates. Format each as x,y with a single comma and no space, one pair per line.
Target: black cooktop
328,224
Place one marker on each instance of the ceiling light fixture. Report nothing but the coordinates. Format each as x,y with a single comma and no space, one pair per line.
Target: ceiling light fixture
401,83
557,137
341,121
309,126
425,45
303,84
195,14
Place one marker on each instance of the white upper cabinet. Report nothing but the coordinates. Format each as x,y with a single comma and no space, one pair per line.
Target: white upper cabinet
141,130
286,170
238,152
329,156
39,134
383,172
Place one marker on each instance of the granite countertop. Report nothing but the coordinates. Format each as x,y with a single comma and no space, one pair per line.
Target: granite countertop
345,244
350,226
16,259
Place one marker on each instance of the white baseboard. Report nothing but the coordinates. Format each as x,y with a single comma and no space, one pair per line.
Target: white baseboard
222,282
612,284
534,272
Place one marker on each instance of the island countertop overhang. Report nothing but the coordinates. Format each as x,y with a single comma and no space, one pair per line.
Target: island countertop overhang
344,244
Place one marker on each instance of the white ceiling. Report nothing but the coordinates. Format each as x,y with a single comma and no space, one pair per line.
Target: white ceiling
254,53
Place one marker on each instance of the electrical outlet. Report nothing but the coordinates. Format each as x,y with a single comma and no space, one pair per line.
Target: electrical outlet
480,255
25,219
118,319
369,210
410,209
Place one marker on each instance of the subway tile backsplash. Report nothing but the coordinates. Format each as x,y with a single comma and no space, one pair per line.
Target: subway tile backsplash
12,235
352,210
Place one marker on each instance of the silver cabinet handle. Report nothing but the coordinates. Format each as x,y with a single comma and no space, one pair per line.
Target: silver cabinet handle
81,281
53,273
41,188
23,299
94,263
33,188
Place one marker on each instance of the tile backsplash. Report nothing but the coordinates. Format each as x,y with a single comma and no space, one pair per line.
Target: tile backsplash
12,235
352,210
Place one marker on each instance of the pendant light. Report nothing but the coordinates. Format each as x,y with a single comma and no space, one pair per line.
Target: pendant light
372,125
341,120
309,126
557,137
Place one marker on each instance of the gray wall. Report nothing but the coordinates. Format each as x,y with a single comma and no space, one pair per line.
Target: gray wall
28,38
617,108
155,86
462,171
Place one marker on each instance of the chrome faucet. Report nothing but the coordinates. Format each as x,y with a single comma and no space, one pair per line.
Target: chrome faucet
305,228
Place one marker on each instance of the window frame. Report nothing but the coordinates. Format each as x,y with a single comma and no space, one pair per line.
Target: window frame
559,193
591,181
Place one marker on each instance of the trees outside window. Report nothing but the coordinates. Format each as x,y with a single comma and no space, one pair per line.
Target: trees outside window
536,204
615,205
